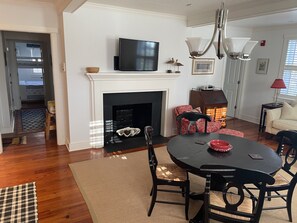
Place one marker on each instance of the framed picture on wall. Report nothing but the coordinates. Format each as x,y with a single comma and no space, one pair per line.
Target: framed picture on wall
262,65
203,66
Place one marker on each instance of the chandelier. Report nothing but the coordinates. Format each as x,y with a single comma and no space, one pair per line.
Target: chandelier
236,48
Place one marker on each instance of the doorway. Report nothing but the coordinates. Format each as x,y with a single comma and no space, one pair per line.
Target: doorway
29,79
232,83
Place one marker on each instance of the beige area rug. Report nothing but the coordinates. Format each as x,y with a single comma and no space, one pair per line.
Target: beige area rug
116,189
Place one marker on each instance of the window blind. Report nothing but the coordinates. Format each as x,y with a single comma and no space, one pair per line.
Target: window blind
290,69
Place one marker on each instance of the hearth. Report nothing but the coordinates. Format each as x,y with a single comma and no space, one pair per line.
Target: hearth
134,110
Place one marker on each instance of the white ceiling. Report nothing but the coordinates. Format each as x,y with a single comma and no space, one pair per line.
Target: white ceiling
244,13
282,12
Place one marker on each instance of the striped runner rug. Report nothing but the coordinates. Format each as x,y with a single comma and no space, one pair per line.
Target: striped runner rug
18,204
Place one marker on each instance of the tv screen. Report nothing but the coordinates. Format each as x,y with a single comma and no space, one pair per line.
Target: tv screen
138,55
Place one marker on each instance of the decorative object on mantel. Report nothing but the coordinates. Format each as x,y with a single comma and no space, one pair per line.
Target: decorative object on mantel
128,131
92,69
178,64
278,84
170,62
236,48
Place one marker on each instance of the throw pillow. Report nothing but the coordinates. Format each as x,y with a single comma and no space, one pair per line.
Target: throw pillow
289,112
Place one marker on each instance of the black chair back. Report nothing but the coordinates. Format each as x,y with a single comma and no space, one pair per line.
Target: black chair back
235,179
290,138
153,162
193,117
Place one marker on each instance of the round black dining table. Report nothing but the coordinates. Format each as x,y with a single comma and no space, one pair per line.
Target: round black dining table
192,151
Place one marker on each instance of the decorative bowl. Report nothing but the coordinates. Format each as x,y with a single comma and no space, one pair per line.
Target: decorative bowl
220,145
128,132
92,69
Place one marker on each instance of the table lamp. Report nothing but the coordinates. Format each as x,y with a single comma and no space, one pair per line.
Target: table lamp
278,84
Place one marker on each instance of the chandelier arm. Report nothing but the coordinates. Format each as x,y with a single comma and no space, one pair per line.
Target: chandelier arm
225,16
213,35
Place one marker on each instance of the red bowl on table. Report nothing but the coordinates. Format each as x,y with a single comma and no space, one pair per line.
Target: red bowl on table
220,145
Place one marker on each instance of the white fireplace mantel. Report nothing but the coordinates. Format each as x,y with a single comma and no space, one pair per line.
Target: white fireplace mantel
123,82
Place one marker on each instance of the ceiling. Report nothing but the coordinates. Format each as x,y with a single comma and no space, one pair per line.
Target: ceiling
201,12
243,13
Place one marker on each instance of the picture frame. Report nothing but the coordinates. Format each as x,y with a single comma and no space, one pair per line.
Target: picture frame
203,66
262,65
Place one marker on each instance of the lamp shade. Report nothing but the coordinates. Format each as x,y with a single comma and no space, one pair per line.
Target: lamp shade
235,44
197,44
249,46
278,84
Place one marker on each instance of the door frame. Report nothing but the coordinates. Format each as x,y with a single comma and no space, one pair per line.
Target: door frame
59,79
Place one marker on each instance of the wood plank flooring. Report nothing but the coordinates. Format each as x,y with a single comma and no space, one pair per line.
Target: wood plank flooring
59,199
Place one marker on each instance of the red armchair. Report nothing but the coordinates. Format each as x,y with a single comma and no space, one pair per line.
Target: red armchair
212,126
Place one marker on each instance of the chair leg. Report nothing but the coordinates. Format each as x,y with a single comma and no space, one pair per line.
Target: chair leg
151,191
187,191
153,201
269,194
47,126
289,205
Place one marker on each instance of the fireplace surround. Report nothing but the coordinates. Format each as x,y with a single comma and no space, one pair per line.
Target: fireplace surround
130,82
133,109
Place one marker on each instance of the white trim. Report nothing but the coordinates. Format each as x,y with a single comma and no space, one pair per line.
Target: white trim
129,82
22,28
1,146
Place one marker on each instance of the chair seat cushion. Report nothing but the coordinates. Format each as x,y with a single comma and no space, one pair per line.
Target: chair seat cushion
231,132
170,171
216,199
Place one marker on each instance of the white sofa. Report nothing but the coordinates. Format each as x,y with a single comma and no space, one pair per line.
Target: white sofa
284,118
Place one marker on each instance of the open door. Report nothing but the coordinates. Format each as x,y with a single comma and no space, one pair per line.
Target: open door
233,75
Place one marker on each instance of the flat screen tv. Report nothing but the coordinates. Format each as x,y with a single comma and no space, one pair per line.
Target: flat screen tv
138,55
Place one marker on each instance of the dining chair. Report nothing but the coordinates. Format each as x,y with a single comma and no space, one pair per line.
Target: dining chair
50,118
192,126
166,174
286,178
232,204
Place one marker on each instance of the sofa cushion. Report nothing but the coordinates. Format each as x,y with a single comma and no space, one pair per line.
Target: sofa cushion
294,103
283,124
289,112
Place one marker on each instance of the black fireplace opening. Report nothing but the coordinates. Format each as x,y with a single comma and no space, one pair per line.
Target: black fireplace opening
134,110
134,116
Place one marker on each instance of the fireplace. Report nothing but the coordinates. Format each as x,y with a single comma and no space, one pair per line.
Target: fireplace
131,82
135,110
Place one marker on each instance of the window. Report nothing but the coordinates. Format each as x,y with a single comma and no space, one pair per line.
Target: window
290,67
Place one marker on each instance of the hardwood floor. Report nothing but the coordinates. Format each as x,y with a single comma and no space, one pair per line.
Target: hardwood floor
59,199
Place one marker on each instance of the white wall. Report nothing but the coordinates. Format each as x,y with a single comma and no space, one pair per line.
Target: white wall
91,39
257,89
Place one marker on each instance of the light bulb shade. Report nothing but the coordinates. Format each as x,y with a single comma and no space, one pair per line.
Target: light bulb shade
278,84
249,46
197,44
236,44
